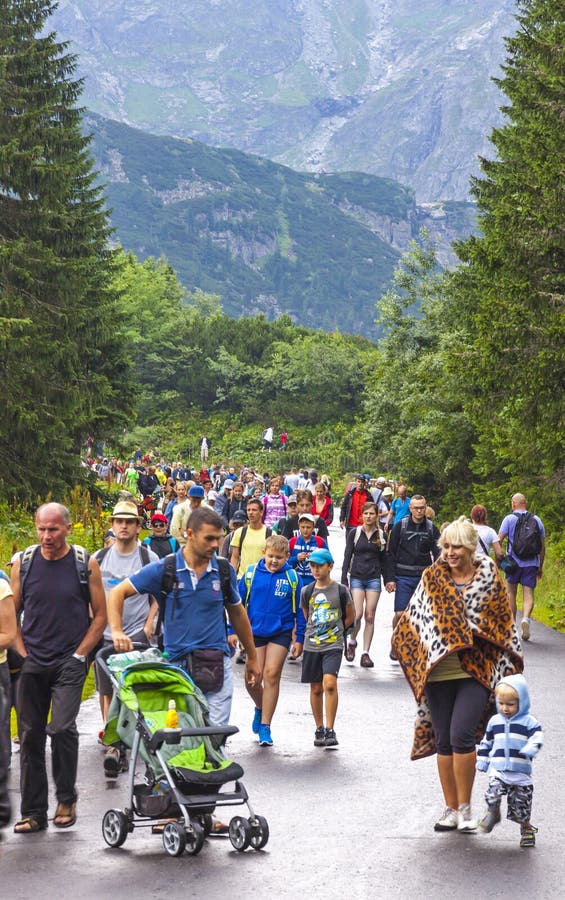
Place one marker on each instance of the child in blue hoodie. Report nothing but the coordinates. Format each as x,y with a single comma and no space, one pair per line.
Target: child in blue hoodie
512,738
270,591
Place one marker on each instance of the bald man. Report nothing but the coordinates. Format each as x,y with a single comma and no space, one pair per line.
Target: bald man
528,571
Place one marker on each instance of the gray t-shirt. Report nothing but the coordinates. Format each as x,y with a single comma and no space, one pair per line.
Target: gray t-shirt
324,624
115,568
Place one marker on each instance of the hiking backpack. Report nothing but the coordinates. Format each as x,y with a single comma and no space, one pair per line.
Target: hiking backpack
291,576
527,541
81,557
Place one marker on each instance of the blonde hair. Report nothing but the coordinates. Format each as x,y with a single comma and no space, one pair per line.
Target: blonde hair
277,542
460,533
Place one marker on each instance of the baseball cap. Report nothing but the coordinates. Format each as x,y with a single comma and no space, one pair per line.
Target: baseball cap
321,555
196,491
239,517
292,499
308,516
159,517
381,480
228,484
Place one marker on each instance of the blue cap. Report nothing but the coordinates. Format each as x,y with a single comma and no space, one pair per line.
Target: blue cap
196,491
321,555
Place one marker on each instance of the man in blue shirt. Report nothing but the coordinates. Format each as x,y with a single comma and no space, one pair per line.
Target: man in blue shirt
194,613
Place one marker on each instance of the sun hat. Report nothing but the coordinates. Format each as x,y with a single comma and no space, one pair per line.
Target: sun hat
388,492
321,555
125,509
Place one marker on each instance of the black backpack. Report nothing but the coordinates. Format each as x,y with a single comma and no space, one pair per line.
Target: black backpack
527,541
169,583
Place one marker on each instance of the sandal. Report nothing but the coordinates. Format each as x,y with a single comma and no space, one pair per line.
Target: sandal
65,815
30,825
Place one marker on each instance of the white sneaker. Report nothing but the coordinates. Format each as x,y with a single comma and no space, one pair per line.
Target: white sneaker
465,822
448,821
525,629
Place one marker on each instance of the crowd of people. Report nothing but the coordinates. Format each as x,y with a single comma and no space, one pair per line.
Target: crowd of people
275,601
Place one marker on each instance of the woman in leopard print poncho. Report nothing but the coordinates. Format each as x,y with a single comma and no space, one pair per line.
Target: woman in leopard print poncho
455,641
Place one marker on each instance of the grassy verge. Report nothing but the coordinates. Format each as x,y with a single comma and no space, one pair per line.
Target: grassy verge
550,592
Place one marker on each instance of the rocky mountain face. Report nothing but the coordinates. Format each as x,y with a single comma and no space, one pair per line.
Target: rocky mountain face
264,237
395,88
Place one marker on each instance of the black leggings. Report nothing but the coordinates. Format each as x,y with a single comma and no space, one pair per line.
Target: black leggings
456,708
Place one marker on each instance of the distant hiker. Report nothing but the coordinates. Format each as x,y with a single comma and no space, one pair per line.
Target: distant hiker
526,545
205,444
268,439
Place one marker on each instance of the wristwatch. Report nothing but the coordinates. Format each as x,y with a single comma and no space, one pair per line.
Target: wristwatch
80,656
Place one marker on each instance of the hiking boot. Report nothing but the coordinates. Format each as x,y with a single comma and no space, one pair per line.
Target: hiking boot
448,820
465,822
528,836
112,762
256,721
350,649
320,737
525,629
331,742
265,739
490,818
366,662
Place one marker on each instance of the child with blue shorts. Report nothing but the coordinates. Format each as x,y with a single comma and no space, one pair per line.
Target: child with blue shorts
271,590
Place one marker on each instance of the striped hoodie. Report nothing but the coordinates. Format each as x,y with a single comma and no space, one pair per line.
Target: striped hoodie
509,745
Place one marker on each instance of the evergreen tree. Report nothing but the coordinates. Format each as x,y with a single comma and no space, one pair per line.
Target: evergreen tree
511,291
64,362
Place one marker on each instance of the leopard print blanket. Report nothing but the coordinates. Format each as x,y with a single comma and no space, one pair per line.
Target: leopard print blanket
439,621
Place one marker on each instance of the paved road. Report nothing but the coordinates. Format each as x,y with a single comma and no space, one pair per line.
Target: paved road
357,823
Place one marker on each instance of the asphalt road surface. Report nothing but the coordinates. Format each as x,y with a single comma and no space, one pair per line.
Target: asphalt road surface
356,823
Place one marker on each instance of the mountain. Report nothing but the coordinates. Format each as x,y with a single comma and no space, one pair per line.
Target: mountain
266,238
395,88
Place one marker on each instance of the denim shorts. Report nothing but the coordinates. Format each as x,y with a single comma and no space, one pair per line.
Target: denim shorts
405,587
365,584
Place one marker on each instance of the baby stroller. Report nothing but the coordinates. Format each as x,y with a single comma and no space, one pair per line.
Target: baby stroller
185,766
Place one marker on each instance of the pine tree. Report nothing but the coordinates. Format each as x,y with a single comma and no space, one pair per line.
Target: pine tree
511,290
65,370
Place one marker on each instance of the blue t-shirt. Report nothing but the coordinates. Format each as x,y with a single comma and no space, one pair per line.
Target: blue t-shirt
196,619
400,508
508,528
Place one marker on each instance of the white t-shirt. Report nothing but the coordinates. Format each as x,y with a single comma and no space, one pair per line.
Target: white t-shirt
488,536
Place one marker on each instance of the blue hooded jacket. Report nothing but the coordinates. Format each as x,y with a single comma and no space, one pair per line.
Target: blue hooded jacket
269,606
509,745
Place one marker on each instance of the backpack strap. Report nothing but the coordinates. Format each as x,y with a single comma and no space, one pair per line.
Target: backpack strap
293,581
144,554
80,556
248,577
224,568
358,531
169,582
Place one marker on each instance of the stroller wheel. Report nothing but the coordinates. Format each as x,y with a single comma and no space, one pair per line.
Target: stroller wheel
240,833
195,839
174,838
115,827
259,832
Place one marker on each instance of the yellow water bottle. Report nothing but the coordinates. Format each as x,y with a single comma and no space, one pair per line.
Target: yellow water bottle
172,716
